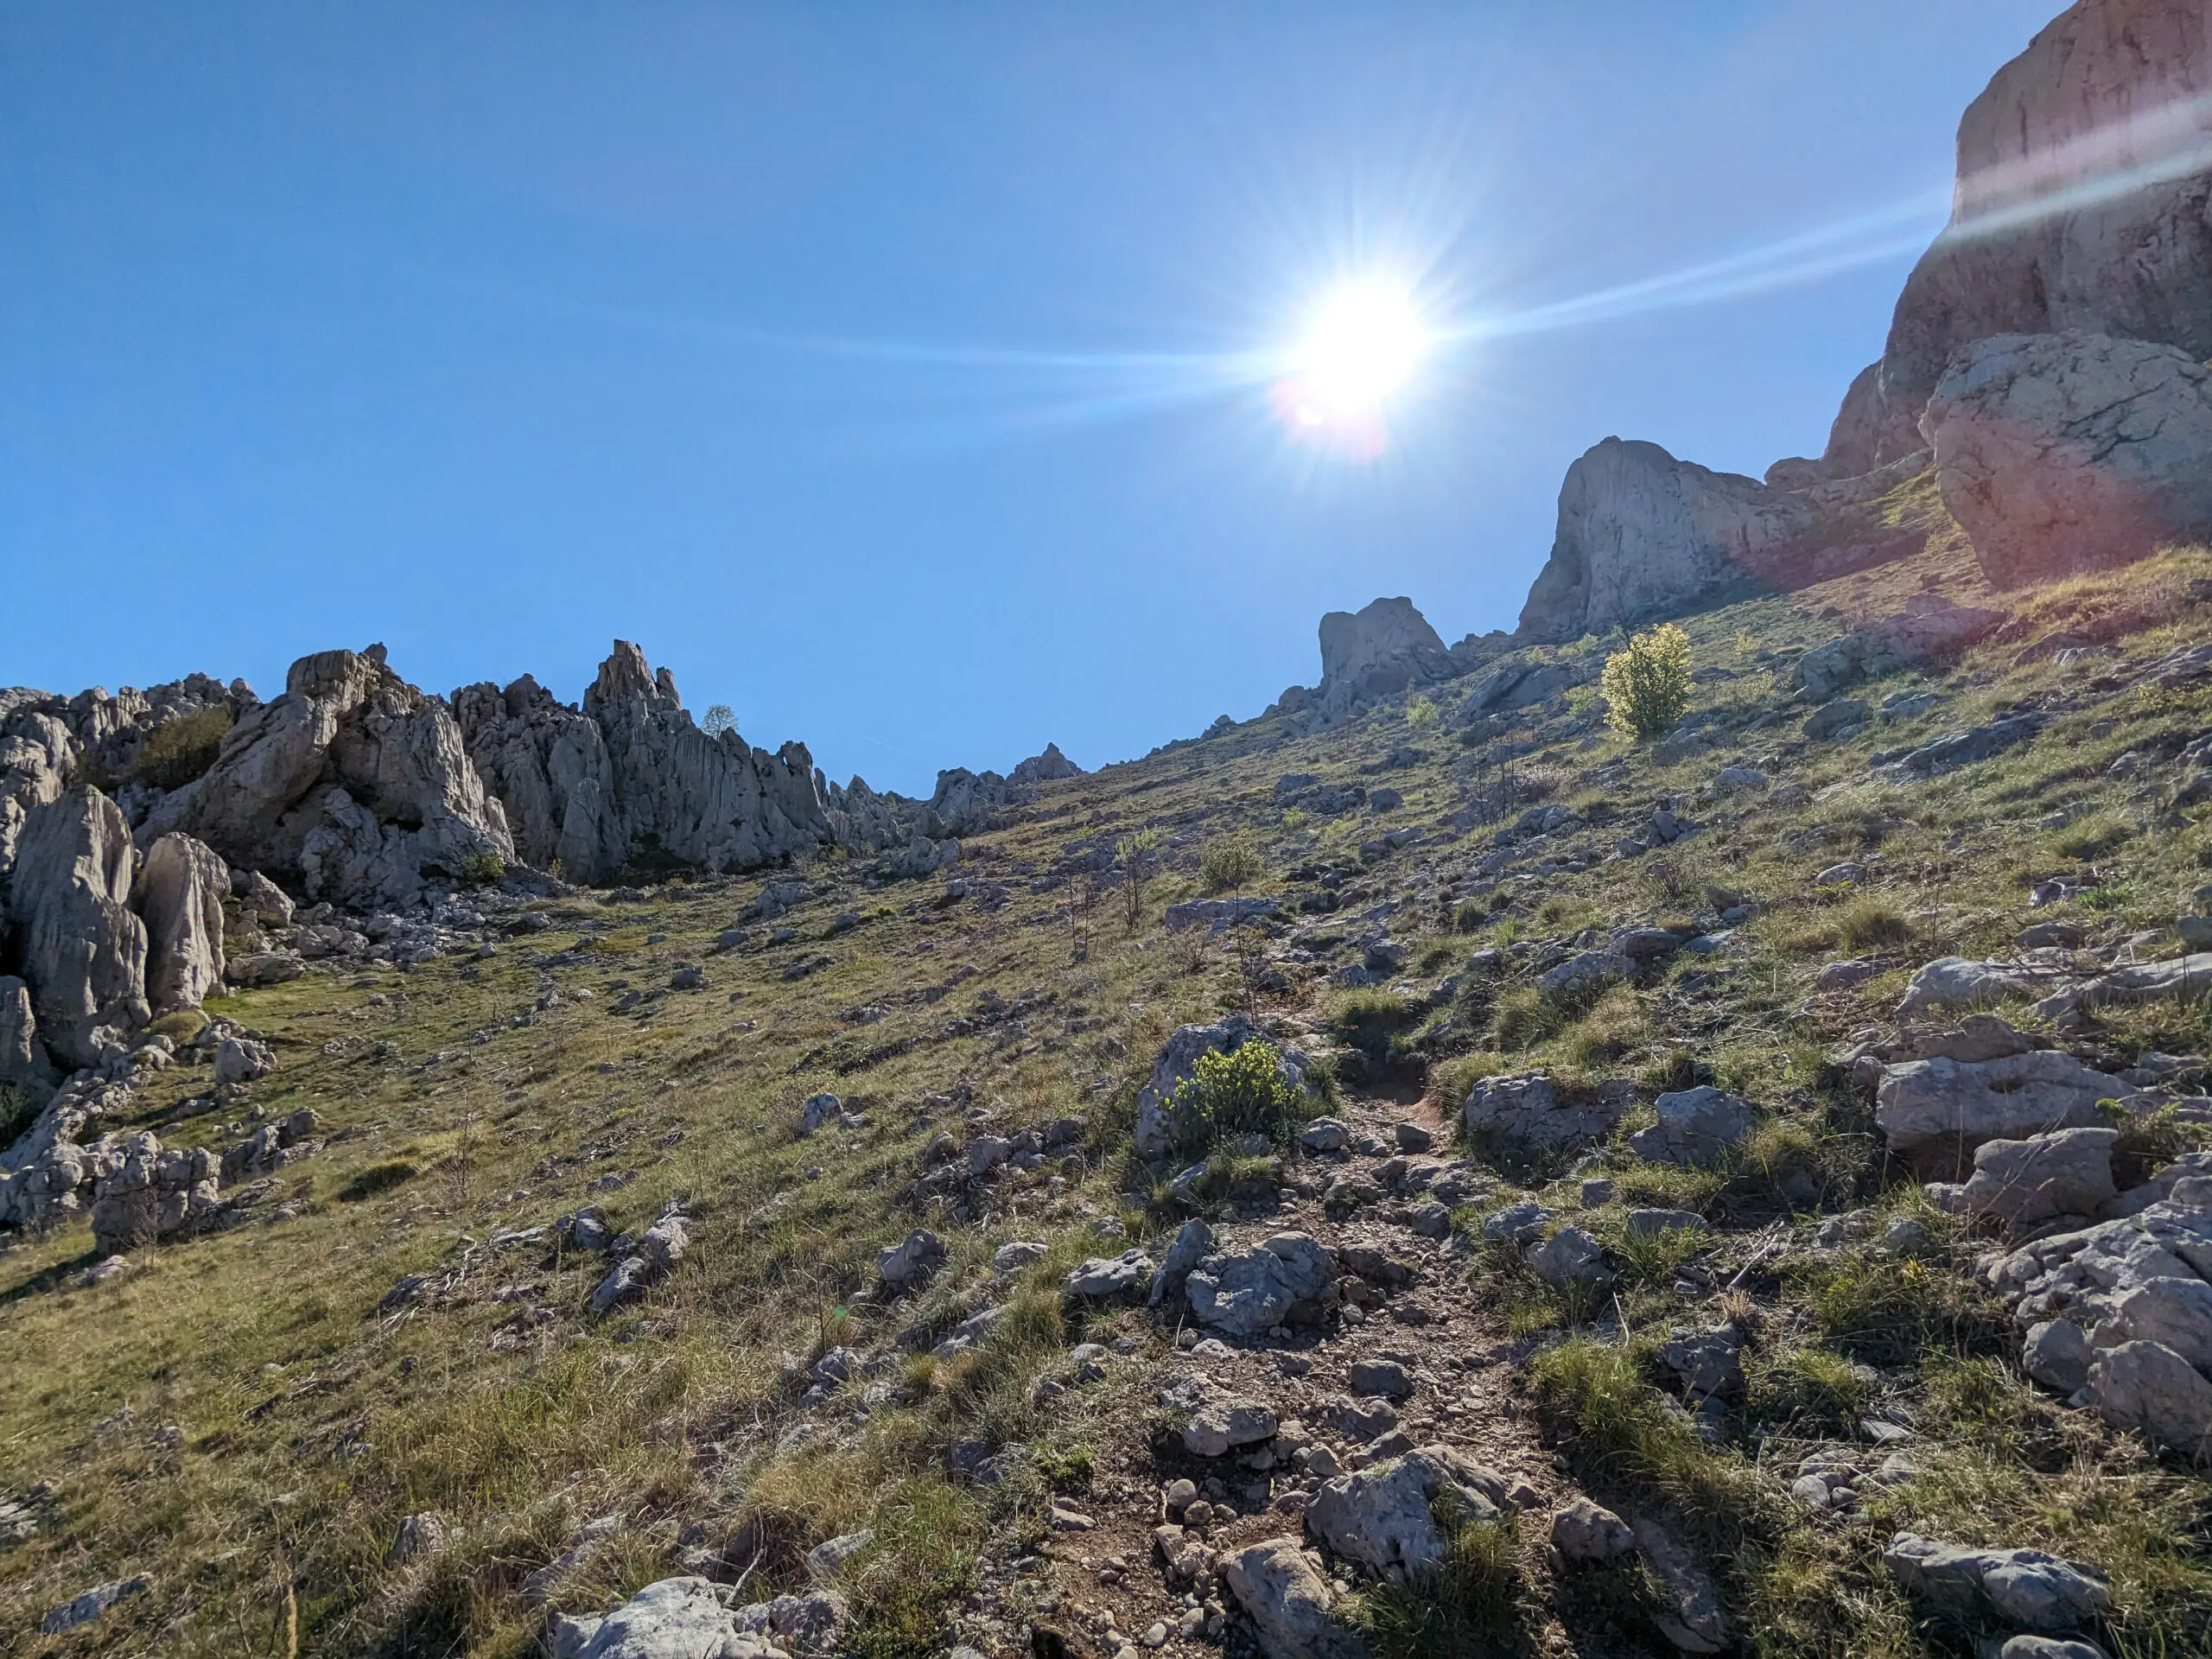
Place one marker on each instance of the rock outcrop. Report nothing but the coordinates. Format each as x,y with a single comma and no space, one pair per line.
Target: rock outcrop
82,950
2069,452
1376,652
179,892
23,1063
630,779
353,783
1640,533
2081,204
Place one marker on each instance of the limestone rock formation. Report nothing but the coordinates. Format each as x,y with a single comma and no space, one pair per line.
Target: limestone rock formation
354,783
23,1063
1376,652
1049,767
2080,203
82,950
179,893
1640,533
631,780
2068,451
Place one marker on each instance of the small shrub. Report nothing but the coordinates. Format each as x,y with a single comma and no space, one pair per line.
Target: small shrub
482,869
1230,1096
1647,686
1229,864
180,1028
176,753
1421,711
20,1106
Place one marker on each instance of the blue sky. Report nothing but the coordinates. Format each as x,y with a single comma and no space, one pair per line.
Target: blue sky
877,367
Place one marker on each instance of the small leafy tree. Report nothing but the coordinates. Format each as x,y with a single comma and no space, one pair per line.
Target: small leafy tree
1233,1094
1136,852
180,750
1421,711
719,718
1647,686
1230,863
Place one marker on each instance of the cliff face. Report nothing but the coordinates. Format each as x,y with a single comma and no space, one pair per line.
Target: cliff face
2079,204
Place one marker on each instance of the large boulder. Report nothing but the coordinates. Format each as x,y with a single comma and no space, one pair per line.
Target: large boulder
1640,533
1287,1277
1527,1112
2081,204
2063,452
2147,1386
1700,1125
179,894
1934,1112
1377,651
2065,1174
2026,1587
82,950
353,781
629,777
1290,1602
1383,1516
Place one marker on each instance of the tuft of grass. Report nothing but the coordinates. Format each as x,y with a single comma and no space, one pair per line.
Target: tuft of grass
1475,1604
1869,922
1808,1388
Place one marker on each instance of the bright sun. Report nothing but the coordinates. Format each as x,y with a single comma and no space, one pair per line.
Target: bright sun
1362,343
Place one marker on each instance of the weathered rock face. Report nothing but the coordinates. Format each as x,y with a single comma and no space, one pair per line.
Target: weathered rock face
630,779
1377,651
2080,203
352,782
179,894
1641,533
23,1063
2070,452
82,949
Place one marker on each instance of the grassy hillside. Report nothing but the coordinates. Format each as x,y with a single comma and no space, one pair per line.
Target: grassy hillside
399,1328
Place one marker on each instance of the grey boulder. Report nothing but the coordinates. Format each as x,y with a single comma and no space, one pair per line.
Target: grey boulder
1287,1277
1527,1111
1935,1112
2066,1172
1291,1603
1697,1127
2025,1586
1383,1516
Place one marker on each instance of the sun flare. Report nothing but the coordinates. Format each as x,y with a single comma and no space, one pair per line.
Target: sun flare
1362,343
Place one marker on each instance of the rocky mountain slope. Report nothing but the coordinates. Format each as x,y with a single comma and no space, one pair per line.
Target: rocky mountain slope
1417,1172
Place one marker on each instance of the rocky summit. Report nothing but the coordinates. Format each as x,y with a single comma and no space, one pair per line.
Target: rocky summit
1560,1143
